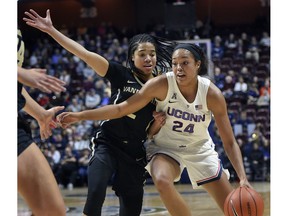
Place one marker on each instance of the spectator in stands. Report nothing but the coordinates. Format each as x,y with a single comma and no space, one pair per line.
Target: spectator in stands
239,52
81,142
245,42
83,162
246,74
106,97
252,93
240,85
231,43
92,99
65,77
76,105
244,120
256,158
253,50
264,99
56,156
56,57
88,72
228,87
89,83
58,140
265,88
68,169
265,40
217,48
219,77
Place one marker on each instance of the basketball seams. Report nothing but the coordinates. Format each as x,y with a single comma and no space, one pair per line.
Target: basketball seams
252,196
240,199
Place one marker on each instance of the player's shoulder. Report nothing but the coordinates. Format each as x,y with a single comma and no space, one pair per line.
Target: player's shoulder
118,73
214,90
116,67
159,81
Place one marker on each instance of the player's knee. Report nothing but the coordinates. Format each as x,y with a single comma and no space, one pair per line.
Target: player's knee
162,182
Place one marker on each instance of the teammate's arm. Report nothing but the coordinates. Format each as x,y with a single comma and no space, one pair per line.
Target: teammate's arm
45,118
37,78
95,61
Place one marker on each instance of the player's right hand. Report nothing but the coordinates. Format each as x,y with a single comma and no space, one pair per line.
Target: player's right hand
36,21
66,118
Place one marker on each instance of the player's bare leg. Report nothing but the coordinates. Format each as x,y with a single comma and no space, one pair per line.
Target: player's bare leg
164,170
37,185
219,190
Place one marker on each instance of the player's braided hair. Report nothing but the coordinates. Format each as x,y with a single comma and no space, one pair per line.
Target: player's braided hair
164,50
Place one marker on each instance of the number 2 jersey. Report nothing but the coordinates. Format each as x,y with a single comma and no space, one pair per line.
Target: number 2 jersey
186,123
129,132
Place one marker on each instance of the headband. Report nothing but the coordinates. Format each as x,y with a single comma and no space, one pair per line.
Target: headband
188,47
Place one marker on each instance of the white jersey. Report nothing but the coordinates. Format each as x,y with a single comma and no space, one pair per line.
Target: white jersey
185,137
186,123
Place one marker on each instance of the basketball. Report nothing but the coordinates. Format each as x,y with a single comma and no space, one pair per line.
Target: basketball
244,201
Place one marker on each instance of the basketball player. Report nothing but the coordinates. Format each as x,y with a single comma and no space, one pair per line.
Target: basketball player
189,101
36,182
117,148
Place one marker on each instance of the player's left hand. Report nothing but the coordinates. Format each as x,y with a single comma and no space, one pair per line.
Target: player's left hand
159,117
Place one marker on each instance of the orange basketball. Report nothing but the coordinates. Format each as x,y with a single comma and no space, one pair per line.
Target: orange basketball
244,201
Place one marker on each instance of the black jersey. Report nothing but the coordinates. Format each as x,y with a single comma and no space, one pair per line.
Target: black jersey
123,85
20,58
24,138
20,100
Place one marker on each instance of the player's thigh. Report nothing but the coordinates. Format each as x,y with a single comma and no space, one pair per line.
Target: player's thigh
219,189
164,166
36,182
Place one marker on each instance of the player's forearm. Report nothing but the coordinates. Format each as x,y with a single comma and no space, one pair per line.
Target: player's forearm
21,76
235,157
67,43
103,113
32,107
95,61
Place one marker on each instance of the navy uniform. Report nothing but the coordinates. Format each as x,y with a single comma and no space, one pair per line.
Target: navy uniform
117,148
24,131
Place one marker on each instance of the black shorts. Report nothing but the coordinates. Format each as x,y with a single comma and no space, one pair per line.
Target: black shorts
24,136
129,179
130,175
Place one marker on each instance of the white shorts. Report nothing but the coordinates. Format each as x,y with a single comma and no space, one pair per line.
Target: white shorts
203,165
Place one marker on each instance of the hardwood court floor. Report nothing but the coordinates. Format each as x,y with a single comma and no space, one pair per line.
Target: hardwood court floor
199,201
